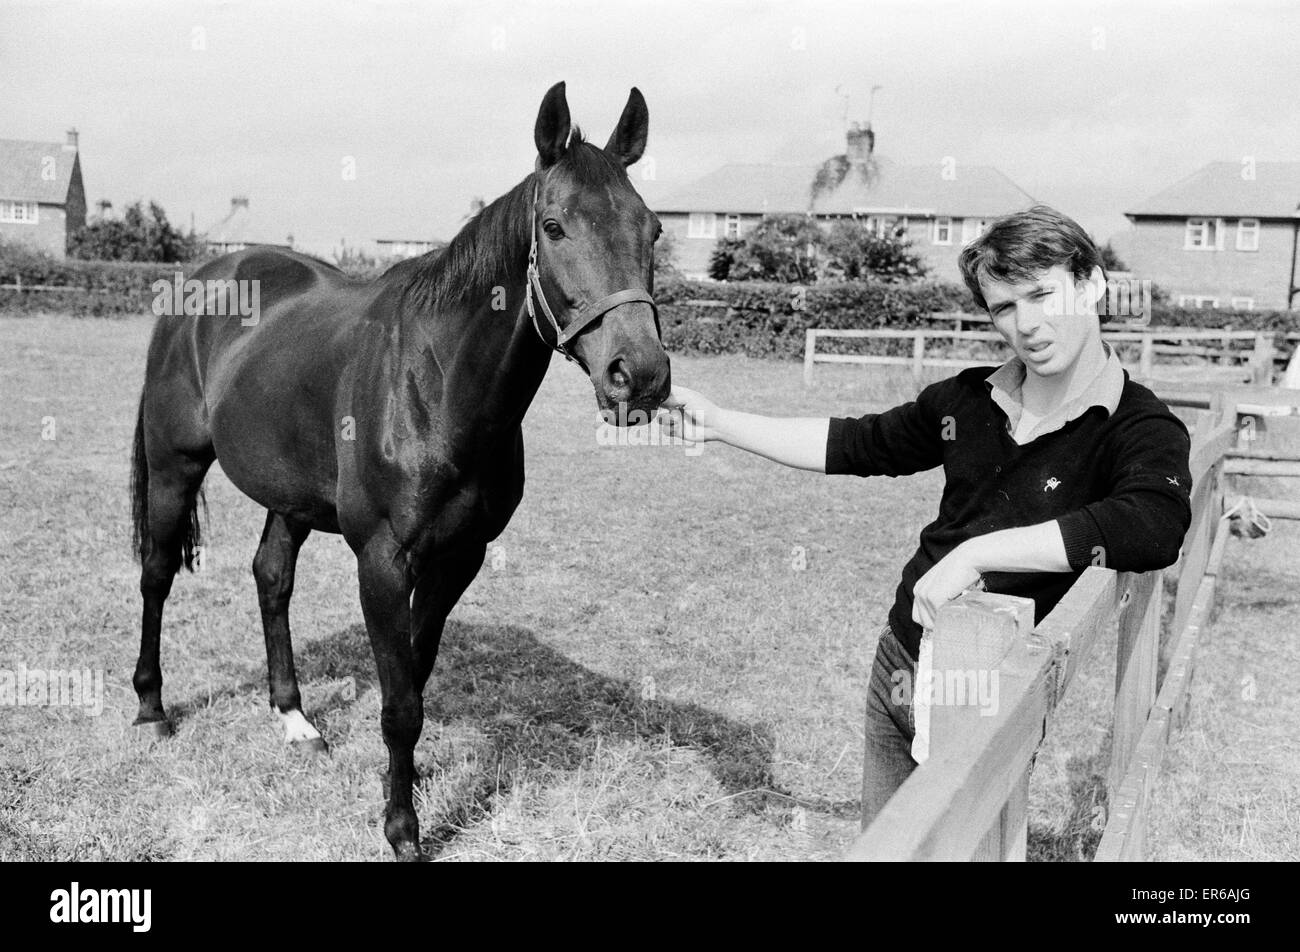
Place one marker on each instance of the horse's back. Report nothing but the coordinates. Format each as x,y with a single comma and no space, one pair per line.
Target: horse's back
262,379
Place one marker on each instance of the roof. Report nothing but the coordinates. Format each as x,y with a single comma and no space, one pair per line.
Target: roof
979,191
22,171
1219,189
240,228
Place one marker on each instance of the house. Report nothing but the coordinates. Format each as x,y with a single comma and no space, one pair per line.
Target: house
939,207
1223,237
42,197
239,230
398,248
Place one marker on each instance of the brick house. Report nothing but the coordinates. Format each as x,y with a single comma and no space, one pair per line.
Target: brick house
42,197
938,207
1223,237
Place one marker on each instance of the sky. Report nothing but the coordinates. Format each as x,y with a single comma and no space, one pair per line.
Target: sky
351,120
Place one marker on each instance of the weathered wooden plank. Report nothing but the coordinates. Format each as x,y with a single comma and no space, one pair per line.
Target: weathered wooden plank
1123,837
1135,668
972,636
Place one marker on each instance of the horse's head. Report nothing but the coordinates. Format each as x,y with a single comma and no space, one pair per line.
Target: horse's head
594,239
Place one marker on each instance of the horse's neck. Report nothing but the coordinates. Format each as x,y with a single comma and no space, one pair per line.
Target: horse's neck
484,362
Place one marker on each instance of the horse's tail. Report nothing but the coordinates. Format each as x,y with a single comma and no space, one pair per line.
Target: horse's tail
192,537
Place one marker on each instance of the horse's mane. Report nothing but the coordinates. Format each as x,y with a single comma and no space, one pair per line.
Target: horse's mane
471,264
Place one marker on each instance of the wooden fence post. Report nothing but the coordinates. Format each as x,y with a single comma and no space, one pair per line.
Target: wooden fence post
972,636
1135,669
809,348
1147,360
918,358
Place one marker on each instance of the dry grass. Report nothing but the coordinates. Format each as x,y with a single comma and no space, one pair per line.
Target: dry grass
541,742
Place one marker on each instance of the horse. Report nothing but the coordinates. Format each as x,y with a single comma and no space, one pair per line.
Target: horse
389,411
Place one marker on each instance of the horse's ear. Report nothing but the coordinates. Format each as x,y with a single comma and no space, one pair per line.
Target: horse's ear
552,130
628,140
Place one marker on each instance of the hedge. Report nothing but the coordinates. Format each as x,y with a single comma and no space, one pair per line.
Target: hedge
698,317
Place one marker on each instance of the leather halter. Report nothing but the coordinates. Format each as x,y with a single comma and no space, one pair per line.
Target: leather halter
585,315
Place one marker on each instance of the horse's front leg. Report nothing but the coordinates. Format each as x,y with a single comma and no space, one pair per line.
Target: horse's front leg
385,601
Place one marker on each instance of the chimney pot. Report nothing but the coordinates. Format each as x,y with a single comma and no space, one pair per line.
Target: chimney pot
861,142
239,201
73,136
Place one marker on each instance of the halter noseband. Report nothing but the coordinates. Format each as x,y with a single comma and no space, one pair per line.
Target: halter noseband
586,315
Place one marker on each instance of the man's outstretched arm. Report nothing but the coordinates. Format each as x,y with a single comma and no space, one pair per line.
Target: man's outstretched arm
799,442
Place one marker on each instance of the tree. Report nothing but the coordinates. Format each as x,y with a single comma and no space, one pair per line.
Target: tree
665,256
139,235
1110,260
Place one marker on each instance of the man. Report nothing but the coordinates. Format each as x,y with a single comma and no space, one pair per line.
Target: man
1054,461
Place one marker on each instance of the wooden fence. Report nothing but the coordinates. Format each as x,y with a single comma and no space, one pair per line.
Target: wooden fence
1171,341
968,799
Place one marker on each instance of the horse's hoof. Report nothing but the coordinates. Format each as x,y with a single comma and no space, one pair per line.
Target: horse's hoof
311,747
407,852
152,730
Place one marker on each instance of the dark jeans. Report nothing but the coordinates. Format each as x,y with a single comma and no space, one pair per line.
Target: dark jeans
891,724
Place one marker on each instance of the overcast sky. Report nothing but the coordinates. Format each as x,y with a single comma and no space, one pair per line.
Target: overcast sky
1088,106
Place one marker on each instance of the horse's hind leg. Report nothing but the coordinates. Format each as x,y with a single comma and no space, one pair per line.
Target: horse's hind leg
167,536
273,568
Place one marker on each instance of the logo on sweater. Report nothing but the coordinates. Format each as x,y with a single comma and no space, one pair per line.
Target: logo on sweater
1051,484
1173,480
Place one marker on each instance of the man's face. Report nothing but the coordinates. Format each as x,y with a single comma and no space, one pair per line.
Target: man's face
1047,320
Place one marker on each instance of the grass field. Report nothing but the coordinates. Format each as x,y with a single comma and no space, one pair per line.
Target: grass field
642,671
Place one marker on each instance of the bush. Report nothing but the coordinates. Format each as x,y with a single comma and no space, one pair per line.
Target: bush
139,235
770,319
858,254
795,249
95,288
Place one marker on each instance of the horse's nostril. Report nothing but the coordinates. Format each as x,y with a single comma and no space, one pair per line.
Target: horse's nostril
620,375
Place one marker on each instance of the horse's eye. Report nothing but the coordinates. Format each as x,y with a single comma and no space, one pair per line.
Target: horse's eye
553,229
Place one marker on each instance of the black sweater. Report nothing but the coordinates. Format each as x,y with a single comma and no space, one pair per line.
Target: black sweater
1117,484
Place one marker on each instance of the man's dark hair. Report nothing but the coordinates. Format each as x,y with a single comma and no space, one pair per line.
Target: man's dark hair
1022,245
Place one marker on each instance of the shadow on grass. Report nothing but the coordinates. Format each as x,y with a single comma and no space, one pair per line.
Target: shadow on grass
538,709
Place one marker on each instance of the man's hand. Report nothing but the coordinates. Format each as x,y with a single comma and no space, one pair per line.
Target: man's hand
947,579
689,415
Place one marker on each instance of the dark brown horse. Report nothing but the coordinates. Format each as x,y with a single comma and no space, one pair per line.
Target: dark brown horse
390,411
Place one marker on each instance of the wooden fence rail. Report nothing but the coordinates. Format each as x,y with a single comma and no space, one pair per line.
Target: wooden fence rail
967,799
1187,342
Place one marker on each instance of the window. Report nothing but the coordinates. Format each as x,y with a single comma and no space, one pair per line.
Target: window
22,213
1243,304
1197,300
1204,234
702,225
1248,234
732,229
942,231
972,228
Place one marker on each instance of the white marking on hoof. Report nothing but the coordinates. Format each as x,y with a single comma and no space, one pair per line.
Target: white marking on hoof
297,728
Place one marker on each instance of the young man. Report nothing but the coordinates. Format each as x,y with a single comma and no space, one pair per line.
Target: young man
1054,461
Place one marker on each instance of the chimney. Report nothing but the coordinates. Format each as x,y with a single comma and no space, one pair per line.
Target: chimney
239,201
71,144
861,143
